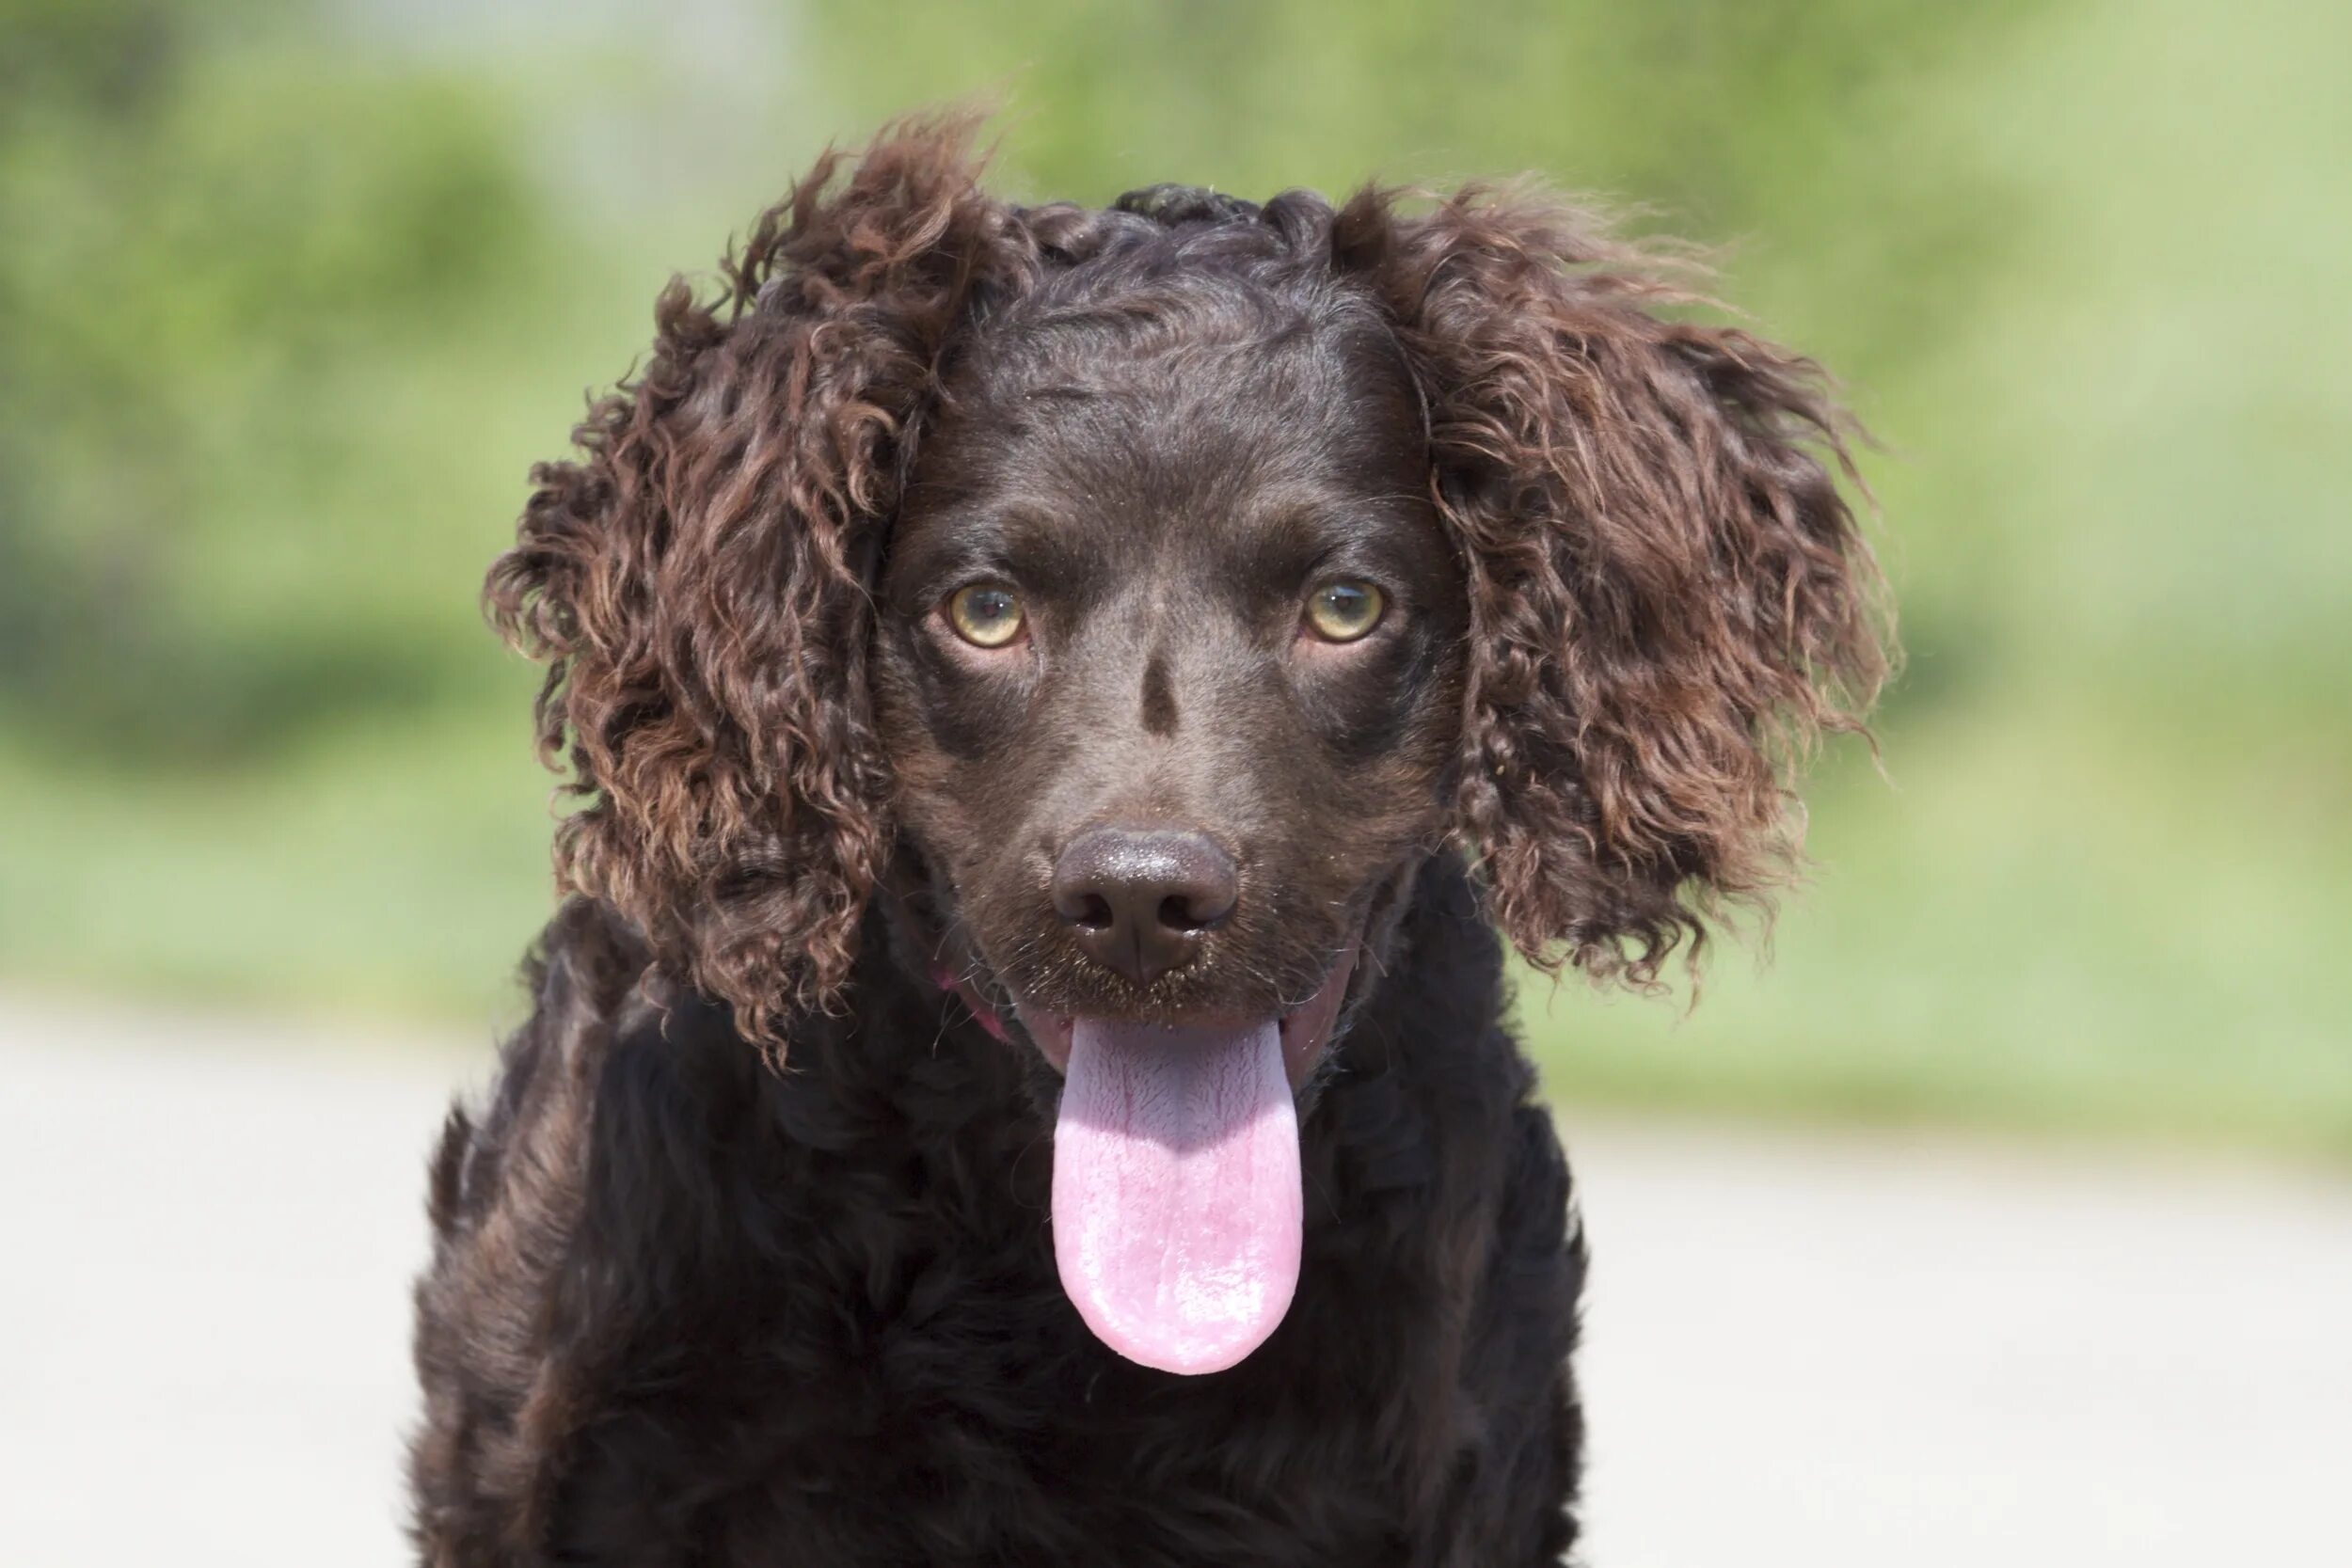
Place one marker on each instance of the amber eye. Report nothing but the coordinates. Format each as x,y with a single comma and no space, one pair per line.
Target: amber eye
987,614
1344,611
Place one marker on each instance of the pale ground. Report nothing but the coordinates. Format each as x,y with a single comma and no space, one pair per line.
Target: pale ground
1814,1352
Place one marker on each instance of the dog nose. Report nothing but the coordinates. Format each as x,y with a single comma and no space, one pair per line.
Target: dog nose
1138,901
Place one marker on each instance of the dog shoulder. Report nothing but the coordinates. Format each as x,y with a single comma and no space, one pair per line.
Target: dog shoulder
549,1231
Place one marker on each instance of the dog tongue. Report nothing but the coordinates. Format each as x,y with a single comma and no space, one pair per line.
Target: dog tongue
1176,1190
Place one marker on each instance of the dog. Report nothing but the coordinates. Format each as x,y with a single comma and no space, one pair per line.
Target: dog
1065,710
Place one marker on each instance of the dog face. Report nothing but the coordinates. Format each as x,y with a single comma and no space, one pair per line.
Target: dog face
1169,651
1130,599
1616,586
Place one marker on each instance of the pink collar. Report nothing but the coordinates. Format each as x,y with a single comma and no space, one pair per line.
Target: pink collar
965,992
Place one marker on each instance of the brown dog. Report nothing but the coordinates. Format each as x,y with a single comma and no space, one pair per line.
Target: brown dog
1023,1077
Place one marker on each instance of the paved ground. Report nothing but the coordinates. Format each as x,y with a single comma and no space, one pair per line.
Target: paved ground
1819,1353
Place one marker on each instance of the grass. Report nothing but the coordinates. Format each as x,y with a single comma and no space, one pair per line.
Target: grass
2041,923
395,874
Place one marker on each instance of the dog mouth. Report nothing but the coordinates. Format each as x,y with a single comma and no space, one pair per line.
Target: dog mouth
1177,1196
1178,1200
1177,1187
1304,1030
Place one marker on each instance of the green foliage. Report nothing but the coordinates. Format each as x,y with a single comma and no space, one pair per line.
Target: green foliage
290,299
228,239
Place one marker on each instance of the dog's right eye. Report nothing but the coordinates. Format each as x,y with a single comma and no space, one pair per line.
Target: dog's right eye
1344,611
986,615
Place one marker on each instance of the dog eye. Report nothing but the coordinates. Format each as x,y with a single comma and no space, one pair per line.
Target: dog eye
1344,611
987,614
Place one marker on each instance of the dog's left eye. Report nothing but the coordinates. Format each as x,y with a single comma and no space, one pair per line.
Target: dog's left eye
986,615
1344,611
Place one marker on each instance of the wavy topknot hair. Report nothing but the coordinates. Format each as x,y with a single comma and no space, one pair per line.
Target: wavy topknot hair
1669,598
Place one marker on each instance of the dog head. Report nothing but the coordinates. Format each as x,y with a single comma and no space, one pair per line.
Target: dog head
1135,597
1170,663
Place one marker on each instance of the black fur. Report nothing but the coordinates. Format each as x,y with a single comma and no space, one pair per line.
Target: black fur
687,1310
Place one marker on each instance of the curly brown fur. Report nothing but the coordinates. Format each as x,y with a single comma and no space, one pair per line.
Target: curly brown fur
696,585
1668,594
747,1260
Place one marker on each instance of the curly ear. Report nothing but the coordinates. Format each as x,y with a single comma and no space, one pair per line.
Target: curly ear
697,580
1669,596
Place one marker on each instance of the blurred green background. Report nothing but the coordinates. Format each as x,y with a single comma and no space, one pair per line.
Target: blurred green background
292,295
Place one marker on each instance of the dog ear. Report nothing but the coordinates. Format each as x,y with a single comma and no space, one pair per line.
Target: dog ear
697,580
1669,597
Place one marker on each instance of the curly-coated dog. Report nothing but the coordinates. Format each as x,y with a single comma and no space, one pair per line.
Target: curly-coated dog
1061,704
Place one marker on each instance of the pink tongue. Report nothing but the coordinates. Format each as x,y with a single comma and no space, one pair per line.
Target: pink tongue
1176,1190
